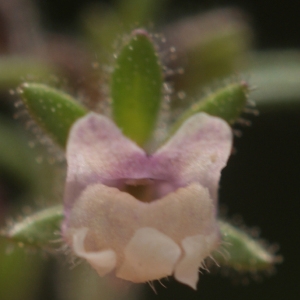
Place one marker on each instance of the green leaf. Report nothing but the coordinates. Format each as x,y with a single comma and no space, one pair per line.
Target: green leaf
136,87
226,103
53,110
37,230
242,252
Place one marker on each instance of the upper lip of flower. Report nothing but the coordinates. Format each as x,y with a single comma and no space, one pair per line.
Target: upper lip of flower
98,152
100,159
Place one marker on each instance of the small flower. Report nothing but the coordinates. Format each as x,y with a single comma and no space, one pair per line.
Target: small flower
146,216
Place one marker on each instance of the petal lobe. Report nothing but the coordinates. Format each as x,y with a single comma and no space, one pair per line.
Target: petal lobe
149,255
103,261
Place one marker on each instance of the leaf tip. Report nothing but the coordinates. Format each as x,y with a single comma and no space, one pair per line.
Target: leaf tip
244,253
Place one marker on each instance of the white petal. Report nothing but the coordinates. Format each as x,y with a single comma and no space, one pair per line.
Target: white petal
103,261
196,249
149,255
117,221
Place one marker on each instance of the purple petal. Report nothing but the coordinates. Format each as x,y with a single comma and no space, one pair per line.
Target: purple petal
105,219
98,152
197,152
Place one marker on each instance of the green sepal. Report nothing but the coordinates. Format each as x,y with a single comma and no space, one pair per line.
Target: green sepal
242,252
226,103
37,230
53,110
136,87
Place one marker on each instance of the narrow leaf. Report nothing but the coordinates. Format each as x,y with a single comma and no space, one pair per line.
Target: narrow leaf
242,252
136,87
53,110
37,230
226,103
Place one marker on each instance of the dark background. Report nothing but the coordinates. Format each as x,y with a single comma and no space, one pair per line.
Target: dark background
276,23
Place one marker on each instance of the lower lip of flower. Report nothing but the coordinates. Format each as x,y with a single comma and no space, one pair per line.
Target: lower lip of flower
143,241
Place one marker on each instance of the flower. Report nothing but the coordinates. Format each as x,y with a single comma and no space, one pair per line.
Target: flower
146,216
